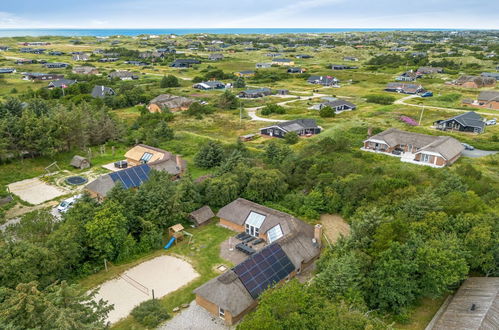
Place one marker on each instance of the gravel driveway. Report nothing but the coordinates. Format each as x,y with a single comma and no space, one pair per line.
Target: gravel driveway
478,153
194,317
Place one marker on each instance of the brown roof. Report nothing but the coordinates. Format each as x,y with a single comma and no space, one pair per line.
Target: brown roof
161,160
447,146
172,101
478,80
238,211
459,314
228,292
202,214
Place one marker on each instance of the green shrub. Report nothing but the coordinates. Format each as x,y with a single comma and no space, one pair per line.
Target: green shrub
273,108
449,97
291,138
327,112
150,313
380,99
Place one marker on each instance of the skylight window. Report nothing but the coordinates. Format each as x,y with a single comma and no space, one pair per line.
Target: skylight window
145,157
274,233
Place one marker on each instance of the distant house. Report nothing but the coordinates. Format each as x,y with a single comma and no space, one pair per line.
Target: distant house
494,75
337,105
81,57
170,102
299,126
21,61
255,93
108,59
168,50
399,49
123,75
282,62
305,56
56,53
404,88
429,70
245,73
201,216
100,92
136,63
4,48
408,76
350,59
466,122
7,70
85,70
296,70
415,148
323,80
473,307
342,67
56,65
263,65
184,63
61,83
215,57
291,246
41,76
487,99
474,82
206,85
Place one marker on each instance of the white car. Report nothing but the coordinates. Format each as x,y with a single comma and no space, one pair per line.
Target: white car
68,203
491,122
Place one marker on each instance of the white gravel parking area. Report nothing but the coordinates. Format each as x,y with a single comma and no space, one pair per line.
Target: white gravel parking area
194,317
163,274
35,191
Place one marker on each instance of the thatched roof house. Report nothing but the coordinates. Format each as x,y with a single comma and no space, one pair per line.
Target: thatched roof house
80,162
156,158
171,102
475,306
201,216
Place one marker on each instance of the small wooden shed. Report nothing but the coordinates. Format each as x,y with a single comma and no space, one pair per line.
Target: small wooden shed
80,162
201,216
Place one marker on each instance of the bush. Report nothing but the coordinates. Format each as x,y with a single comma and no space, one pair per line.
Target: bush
150,313
291,138
380,99
169,81
327,112
273,108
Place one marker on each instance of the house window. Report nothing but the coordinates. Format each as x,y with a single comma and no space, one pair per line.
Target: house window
221,313
425,158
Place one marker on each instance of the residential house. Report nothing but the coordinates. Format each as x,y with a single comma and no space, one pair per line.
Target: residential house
41,76
100,92
56,53
475,82
168,50
342,67
429,70
336,104
61,83
350,59
108,59
399,49
245,73
255,93
408,76
56,65
415,148
216,57
465,122
4,48
263,65
184,63
123,75
487,99
474,306
141,159
21,61
296,70
81,57
323,80
494,75
283,62
136,63
404,88
292,246
305,56
7,70
212,84
170,102
302,127
85,70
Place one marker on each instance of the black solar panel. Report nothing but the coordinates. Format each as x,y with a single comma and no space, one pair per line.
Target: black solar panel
132,177
265,268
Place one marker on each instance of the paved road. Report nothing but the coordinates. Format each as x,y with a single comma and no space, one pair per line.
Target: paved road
402,102
478,153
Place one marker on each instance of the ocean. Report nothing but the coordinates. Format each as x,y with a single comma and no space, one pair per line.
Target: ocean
135,32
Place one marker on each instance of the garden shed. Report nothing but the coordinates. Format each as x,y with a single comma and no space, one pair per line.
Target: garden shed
80,162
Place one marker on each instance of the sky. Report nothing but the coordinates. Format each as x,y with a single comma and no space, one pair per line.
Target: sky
94,14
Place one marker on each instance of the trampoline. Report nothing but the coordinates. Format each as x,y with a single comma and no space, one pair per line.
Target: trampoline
76,180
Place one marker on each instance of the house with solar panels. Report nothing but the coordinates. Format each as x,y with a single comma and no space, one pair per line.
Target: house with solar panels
290,245
140,160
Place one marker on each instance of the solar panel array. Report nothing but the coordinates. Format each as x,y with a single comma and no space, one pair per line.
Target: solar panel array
263,269
132,177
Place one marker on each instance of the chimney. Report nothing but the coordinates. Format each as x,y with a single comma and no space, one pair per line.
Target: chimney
318,234
178,160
